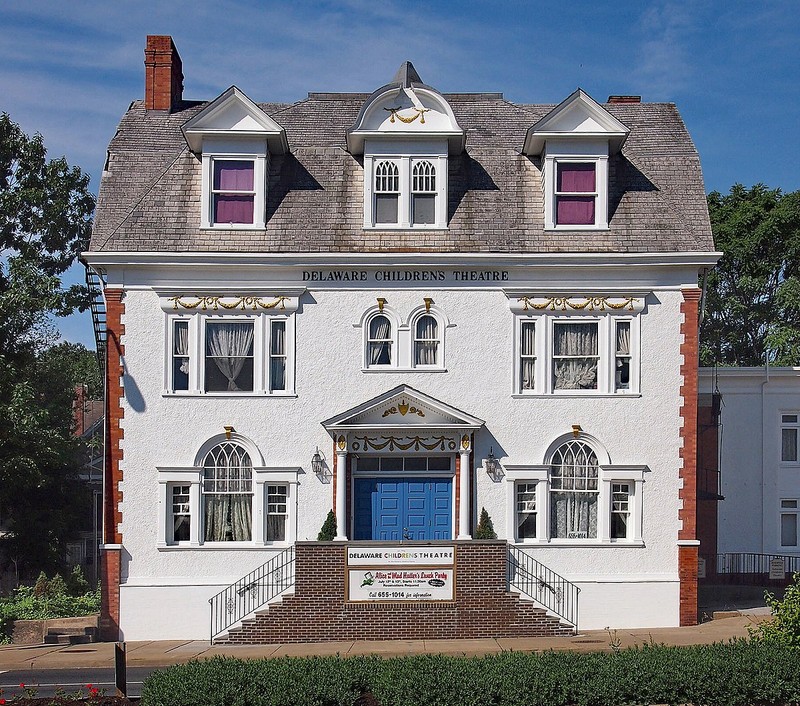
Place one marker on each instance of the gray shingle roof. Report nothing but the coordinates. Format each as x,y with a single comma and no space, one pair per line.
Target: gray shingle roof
149,196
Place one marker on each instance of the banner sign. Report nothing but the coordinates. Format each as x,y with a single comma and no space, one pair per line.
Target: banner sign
432,584
406,556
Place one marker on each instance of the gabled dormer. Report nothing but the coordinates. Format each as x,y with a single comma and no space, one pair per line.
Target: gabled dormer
235,139
574,141
405,130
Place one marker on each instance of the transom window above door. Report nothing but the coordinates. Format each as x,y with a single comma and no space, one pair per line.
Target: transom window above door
402,464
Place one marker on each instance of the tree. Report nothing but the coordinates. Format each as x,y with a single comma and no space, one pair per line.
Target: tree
485,528
752,310
328,531
45,218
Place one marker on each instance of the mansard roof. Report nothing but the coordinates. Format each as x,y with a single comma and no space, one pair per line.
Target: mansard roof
150,192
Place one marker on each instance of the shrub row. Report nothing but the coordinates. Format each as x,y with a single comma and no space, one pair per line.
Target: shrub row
739,672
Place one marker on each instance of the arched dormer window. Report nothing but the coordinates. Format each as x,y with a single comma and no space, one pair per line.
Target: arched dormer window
387,192
426,341
423,193
228,494
574,491
379,341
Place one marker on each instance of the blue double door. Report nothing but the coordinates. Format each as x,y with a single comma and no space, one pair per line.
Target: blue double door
403,508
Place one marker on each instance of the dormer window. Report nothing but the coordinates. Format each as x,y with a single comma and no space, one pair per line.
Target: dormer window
406,131
233,191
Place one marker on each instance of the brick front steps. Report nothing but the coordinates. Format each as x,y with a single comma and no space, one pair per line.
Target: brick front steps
317,611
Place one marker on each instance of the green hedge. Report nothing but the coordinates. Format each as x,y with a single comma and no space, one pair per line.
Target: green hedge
738,672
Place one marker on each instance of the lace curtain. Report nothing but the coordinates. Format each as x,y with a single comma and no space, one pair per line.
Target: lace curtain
228,518
427,341
230,346
380,346
278,357
528,360
574,492
575,356
228,494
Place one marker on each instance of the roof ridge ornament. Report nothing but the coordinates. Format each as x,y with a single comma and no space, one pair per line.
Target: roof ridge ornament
406,75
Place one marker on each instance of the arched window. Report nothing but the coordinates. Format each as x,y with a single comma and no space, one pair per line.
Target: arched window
426,341
379,342
228,494
387,192
423,193
574,491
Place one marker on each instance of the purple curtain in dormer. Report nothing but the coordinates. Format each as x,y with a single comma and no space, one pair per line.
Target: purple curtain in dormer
575,210
576,178
233,175
233,209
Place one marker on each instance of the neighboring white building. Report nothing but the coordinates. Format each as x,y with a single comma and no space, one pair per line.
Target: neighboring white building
403,306
759,465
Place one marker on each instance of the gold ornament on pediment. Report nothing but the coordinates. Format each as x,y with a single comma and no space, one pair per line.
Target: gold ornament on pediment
419,114
403,408
215,303
465,442
578,303
341,442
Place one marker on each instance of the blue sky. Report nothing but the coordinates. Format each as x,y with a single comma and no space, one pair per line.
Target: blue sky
71,69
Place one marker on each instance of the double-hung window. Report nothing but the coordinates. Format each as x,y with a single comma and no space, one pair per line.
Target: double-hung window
229,356
526,510
576,188
405,185
564,355
181,514
576,193
790,511
790,427
620,510
426,341
379,342
277,499
233,191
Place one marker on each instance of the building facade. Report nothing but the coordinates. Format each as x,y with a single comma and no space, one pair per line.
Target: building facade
404,307
753,442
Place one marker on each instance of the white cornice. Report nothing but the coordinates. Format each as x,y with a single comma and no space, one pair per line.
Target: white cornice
382,259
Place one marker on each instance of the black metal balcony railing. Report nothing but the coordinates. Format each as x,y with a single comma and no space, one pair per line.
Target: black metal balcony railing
252,592
544,585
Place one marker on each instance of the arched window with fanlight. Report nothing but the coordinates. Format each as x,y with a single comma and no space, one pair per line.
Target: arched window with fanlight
387,192
426,341
574,491
228,494
379,341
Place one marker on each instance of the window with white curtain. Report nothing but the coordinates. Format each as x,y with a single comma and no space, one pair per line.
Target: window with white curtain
227,494
620,510
426,341
423,193
526,510
379,343
574,355
181,514
277,503
228,355
574,491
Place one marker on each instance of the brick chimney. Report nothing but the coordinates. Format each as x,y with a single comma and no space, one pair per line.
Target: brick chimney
163,74
624,99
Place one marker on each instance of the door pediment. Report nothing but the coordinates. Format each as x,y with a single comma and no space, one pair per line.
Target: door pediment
402,407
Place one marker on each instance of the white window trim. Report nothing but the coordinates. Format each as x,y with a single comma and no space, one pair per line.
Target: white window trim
260,168
403,339
788,511
607,349
262,332
789,425
404,161
549,177
607,475
168,477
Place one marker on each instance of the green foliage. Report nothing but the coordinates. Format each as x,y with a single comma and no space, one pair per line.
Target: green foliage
739,672
77,584
45,216
485,528
784,628
752,309
328,531
48,598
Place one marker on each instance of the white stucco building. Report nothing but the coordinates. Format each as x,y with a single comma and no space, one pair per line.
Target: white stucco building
402,306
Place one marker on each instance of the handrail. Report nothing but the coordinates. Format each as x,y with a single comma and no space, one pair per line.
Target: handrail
251,592
748,563
544,585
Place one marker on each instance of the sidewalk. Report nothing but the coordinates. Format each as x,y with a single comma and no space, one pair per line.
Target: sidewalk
167,652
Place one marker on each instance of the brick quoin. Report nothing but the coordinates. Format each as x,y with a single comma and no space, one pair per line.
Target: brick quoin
112,515
317,610
687,555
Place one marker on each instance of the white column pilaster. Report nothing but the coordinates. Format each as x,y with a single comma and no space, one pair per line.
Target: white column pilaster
341,494
464,496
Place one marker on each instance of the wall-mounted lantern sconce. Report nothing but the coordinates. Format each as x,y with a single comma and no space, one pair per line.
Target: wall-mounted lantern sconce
318,465
492,465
